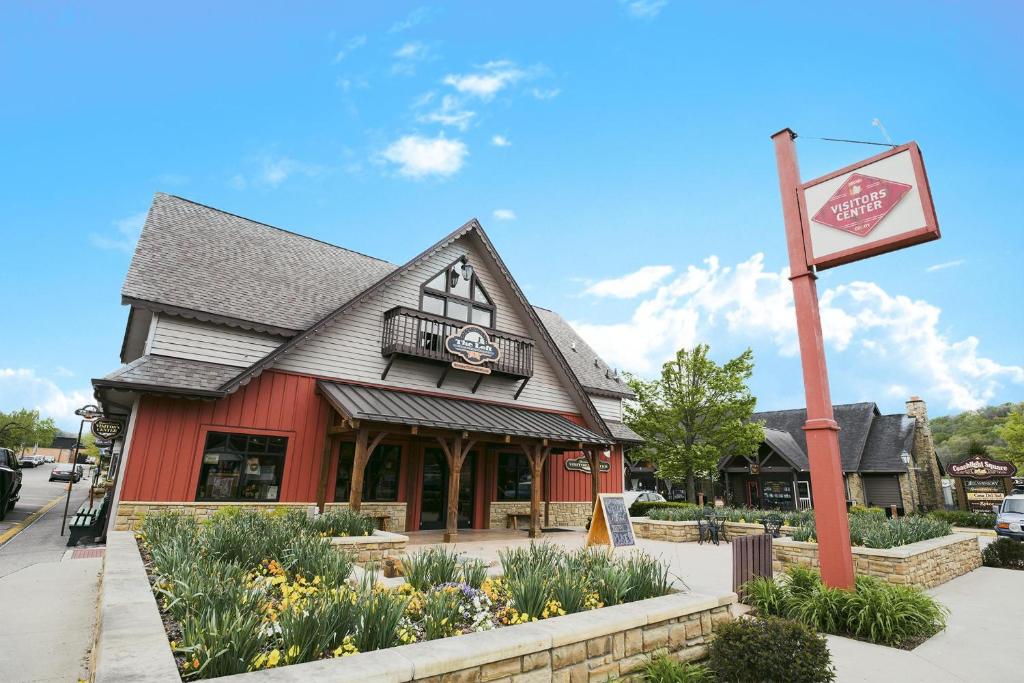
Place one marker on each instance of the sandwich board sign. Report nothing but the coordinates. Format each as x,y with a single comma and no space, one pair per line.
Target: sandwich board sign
877,205
610,524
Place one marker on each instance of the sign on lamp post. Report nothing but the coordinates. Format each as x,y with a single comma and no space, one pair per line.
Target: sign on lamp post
872,207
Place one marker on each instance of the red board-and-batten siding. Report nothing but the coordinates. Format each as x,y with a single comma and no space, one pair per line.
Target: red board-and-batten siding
169,435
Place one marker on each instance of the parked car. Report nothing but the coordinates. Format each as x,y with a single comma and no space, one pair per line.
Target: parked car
66,473
10,481
49,458
31,460
1010,517
641,497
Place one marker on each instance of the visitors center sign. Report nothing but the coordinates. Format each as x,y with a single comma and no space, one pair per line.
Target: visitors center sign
874,206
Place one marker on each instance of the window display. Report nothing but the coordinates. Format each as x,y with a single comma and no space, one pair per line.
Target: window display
240,467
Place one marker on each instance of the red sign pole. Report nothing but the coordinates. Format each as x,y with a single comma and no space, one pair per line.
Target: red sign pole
833,526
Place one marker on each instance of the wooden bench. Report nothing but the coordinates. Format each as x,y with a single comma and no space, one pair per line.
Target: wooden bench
88,522
512,520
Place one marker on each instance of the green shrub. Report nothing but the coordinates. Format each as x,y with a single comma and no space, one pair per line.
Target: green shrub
892,615
1004,553
529,590
645,576
769,649
641,508
380,616
343,522
441,615
966,518
570,590
862,510
474,572
662,668
313,556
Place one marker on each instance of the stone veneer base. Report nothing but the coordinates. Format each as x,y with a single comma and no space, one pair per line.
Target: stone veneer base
570,648
686,532
130,512
924,564
379,546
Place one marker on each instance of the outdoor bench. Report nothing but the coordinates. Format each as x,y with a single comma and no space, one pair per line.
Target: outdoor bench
512,519
89,522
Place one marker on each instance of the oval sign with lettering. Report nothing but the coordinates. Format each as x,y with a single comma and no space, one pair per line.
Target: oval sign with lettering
107,428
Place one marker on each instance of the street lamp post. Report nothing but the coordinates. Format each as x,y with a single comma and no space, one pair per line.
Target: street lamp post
88,414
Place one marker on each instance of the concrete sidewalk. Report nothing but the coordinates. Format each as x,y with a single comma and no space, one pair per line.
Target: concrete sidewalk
48,600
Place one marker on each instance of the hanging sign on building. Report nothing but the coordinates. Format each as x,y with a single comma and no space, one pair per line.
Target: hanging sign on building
877,205
107,428
583,465
982,467
473,345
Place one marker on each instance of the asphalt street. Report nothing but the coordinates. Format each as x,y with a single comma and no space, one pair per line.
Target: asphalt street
36,492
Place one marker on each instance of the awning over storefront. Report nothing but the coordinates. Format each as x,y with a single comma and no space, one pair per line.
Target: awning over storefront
398,407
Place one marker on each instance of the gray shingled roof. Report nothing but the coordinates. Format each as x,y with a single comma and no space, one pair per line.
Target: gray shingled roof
197,258
592,372
854,421
401,407
784,445
621,432
890,435
175,375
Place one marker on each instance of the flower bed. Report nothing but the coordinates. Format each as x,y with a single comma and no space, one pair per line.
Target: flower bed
925,564
248,591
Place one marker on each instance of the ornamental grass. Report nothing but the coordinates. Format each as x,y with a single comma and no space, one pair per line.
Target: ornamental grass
876,611
247,591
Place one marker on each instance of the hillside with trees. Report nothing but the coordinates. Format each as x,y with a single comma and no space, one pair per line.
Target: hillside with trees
997,431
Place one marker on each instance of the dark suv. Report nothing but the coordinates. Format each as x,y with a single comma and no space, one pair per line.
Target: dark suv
10,481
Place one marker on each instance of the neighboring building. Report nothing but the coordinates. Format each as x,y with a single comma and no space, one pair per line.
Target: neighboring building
262,367
872,448
61,449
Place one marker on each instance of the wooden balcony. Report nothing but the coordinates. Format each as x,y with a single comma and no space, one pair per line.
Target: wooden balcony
415,334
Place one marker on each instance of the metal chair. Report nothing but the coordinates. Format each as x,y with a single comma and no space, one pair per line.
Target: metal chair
772,522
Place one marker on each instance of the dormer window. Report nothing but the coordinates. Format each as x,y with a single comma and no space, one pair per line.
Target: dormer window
456,292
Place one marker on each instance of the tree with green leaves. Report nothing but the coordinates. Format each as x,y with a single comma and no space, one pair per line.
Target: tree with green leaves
1012,434
25,428
695,413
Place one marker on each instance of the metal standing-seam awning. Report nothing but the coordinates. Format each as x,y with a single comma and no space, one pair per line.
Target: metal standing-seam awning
399,407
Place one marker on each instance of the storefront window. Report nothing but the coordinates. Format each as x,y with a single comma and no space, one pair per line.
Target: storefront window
514,477
241,467
380,478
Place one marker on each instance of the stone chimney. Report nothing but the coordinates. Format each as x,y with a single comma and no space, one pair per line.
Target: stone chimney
929,477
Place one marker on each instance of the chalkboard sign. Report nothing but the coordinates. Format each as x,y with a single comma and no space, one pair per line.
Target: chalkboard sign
611,524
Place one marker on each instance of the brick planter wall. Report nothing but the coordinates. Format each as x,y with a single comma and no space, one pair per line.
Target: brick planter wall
685,532
924,564
381,545
393,512
130,513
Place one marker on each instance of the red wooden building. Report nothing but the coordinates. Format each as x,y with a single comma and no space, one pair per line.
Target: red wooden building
264,368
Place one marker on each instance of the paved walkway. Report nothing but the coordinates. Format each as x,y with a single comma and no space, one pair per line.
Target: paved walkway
980,643
47,602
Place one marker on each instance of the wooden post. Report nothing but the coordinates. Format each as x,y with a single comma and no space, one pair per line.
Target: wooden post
455,453
595,474
537,455
359,458
325,470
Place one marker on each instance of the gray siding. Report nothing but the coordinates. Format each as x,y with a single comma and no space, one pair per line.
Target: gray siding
608,408
195,340
350,347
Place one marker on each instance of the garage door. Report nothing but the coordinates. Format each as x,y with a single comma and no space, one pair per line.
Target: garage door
882,490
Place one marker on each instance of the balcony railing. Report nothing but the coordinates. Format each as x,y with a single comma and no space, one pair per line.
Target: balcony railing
413,333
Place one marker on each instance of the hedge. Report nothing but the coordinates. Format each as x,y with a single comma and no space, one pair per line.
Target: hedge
640,509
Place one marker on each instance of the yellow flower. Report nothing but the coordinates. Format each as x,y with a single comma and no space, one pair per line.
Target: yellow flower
274,657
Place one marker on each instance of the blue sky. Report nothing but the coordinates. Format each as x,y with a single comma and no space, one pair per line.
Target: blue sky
595,141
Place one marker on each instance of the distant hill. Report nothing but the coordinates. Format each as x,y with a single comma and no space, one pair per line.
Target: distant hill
969,433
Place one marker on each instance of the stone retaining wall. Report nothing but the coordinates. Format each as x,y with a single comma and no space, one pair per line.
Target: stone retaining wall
381,545
394,512
561,513
130,513
612,644
924,564
685,532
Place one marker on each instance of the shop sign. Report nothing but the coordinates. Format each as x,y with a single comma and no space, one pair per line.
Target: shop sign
755,468
583,465
982,467
877,205
611,524
473,345
107,428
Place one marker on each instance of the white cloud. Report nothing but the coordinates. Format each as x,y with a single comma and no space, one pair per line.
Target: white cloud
408,56
897,337
418,157
22,388
350,46
545,93
504,214
500,141
644,9
488,81
943,266
128,231
631,285
273,171
449,113
414,18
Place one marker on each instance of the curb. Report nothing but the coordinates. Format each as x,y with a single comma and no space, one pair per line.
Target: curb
25,523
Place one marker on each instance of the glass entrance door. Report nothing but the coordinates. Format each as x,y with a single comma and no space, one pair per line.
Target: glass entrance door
434,506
